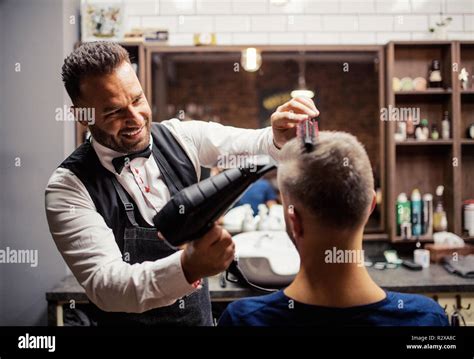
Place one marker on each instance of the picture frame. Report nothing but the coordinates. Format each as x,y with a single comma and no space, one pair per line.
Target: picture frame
102,21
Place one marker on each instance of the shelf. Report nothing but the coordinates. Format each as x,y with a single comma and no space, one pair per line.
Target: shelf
425,92
467,92
425,143
375,236
422,239
467,141
425,168
413,59
429,239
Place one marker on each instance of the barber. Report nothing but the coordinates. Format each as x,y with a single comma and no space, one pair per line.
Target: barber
101,200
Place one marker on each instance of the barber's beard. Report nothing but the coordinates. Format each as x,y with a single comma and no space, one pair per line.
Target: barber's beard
115,142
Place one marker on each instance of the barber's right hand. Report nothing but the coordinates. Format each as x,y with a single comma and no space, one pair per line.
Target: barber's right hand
209,255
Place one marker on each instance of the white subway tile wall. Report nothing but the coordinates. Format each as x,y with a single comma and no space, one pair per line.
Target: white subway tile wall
253,38
322,38
285,38
169,23
469,23
305,23
263,22
269,23
237,23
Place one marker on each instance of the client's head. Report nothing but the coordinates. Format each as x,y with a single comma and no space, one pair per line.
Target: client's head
328,191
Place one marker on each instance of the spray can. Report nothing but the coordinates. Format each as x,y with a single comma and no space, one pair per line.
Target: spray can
406,230
403,212
416,218
428,214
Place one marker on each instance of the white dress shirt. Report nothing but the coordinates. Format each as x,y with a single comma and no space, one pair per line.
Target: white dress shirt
88,245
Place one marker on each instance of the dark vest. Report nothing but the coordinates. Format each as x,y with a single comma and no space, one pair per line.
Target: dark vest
138,241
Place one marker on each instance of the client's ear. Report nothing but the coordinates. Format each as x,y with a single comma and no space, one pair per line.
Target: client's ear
374,202
296,224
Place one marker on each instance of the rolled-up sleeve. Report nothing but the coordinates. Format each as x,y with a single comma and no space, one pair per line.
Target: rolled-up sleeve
211,141
89,248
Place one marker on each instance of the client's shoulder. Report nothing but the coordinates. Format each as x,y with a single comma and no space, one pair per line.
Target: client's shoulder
414,302
245,311
418,305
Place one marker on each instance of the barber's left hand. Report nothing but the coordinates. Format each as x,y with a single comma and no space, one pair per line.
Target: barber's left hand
286,117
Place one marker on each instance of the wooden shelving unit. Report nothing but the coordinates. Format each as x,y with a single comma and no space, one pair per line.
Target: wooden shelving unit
427,164
465,57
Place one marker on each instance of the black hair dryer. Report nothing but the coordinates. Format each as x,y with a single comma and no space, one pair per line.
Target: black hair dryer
191,213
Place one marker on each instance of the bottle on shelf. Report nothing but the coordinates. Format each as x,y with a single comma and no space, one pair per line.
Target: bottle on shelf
403,215
434,132
440,220
445,127
435,79
416,208
428,214
401,131
468,216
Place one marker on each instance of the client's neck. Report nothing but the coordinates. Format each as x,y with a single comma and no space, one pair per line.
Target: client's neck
332,271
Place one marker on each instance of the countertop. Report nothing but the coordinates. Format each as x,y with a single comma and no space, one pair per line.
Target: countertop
434,279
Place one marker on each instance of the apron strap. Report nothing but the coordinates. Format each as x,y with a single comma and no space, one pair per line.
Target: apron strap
129,207
172,181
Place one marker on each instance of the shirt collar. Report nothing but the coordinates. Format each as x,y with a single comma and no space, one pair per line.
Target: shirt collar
106,155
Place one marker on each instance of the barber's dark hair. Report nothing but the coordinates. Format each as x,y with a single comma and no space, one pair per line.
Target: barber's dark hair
334,182
91,58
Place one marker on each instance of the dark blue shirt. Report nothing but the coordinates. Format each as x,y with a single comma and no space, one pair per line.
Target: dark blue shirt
276,309
258,193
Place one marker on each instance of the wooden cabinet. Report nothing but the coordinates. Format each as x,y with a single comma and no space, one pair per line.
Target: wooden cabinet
426,164
465,52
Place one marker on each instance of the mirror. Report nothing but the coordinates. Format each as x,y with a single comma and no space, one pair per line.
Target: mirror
213,86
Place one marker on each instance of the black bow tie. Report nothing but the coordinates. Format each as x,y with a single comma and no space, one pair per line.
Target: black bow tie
120,162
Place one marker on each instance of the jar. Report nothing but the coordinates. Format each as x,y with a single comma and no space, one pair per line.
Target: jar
469,217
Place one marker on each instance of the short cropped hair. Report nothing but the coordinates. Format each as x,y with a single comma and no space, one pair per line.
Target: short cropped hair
334,181
91,58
